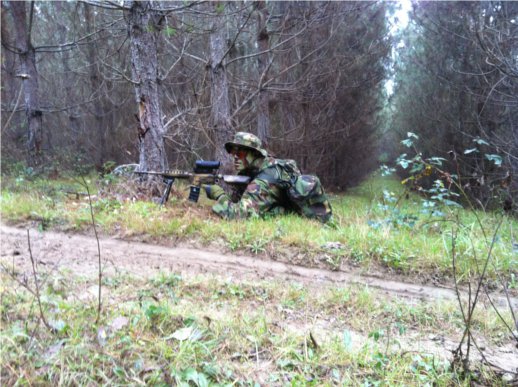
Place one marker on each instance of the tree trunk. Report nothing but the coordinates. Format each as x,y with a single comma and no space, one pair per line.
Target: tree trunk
29,74
69,83
96,85
263,113
144,32
10,91
9,88
220,102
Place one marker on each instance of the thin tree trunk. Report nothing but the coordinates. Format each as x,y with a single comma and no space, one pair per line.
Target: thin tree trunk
29,74
8,61
144,32
263,112
220,102
96,84
10,87
68,76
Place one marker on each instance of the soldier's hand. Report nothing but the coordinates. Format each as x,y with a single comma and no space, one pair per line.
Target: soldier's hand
213,191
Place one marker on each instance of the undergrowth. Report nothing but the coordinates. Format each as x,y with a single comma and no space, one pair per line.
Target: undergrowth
171,330
369,228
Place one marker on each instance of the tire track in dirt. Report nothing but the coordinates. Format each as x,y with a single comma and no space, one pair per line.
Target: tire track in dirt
79,254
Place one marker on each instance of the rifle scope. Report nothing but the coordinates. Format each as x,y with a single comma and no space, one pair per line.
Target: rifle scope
203,166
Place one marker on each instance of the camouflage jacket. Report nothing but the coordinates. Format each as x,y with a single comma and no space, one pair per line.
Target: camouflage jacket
264,195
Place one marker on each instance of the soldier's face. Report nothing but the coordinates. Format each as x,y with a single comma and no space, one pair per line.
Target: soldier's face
241,161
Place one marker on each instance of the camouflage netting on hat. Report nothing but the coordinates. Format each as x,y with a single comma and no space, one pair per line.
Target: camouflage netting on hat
247,141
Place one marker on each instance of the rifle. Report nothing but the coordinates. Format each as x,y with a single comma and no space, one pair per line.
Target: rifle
205,172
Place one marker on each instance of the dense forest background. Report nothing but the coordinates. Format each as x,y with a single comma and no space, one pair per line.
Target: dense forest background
101,83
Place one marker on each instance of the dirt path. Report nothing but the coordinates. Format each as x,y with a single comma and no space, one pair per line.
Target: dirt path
79,254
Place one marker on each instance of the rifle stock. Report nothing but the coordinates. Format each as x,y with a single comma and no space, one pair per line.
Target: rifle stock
205,172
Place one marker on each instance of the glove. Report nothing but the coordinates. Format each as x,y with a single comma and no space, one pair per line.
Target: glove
213,191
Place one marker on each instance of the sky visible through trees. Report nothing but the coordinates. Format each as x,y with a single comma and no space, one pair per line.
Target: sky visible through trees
398,19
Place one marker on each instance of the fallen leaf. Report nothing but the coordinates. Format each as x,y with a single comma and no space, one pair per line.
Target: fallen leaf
119,323
54,349
187,333
102,335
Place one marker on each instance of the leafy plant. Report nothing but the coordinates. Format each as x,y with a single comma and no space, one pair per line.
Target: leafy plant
156,312
446,191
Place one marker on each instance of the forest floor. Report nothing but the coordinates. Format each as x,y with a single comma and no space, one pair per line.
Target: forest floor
77,255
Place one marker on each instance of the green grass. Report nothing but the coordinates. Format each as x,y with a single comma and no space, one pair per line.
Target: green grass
207,331
169,330
368,229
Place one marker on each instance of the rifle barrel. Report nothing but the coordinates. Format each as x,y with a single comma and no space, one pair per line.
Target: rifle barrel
168,174
177,174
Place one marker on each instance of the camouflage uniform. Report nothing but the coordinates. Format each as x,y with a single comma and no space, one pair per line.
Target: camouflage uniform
277,186
264,195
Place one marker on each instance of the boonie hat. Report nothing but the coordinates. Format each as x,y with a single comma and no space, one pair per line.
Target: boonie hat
247,141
